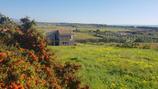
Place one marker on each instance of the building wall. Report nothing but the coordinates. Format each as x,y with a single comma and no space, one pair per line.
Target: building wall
58,39
66,40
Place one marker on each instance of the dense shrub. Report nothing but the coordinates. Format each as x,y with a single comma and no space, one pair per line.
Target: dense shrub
26,63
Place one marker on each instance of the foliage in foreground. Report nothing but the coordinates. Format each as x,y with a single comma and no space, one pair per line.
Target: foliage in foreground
26,63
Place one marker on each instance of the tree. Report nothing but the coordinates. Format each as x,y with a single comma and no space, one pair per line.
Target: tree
7,23
4,19
27,24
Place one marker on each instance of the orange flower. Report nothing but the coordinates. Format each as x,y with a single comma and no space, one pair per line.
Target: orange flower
13,86
33,56
3,55
43,82
18,62
22,49
46,57
22,76
2,85
48,70
16,86
28,84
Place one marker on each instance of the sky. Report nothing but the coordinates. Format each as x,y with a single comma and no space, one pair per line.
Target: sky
112,12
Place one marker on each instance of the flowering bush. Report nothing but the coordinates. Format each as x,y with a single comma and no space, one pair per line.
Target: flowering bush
26,63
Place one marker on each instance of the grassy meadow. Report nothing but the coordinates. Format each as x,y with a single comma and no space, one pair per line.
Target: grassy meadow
107,67
84,36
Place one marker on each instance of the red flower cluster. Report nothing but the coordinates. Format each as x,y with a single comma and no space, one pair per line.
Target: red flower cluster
14,85
2,56
33,56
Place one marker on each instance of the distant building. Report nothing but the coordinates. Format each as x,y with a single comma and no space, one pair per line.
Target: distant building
60,37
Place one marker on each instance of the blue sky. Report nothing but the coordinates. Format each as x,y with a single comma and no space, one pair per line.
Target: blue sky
131,12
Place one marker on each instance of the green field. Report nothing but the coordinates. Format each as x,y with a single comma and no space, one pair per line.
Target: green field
107,67
84,36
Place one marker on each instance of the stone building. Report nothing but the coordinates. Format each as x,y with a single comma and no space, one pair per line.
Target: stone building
60,38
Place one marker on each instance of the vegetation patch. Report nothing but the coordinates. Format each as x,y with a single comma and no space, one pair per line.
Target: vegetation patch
110,67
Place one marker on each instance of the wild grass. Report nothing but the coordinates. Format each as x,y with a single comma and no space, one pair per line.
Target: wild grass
107,67
84,36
